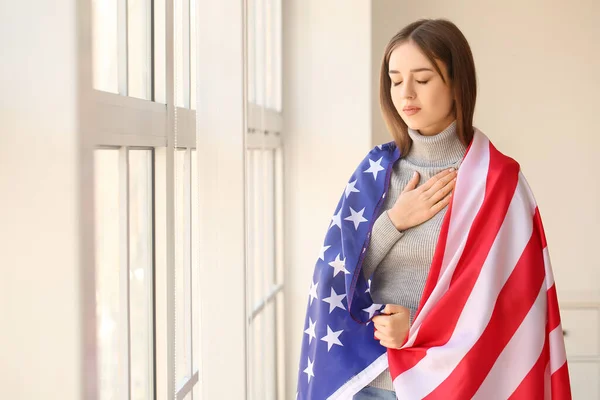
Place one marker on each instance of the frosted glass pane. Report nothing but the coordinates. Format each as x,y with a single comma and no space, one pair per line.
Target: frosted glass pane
140,274
106,188
259,51
182,268
261,191
280,345
195,266
104,45
251,52
257,372
139,63
193,42
276,56
160,75
178,70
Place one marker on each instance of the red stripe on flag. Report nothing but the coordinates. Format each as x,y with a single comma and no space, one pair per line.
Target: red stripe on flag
561,388
553,310
437,328
538,222
514,302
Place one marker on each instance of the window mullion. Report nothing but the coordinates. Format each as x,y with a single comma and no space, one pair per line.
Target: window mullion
122,55
124,325
170,171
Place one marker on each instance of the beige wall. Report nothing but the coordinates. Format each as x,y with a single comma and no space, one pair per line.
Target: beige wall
538,69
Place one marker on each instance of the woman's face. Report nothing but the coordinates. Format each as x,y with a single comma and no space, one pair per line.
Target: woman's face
415,83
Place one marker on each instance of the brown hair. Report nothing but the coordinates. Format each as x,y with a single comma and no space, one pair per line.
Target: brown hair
438,39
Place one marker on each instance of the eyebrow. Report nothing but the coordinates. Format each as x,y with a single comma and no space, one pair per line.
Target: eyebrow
393,71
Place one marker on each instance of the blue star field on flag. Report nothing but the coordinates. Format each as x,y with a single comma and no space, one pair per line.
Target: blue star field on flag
338,340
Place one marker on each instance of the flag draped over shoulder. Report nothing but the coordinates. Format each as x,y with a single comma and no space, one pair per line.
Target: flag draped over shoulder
488,324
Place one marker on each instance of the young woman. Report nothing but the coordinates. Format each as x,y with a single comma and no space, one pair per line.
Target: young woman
434,279
428,90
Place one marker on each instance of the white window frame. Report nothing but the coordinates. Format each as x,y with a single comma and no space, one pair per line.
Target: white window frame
265,128
127,122
220,129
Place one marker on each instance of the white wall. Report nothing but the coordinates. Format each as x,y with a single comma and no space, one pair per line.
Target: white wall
537,65
47,310
326,100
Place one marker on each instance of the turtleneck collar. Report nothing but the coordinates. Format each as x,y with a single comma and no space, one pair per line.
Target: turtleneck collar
437,150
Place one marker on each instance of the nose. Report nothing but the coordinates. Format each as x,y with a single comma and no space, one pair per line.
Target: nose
407,90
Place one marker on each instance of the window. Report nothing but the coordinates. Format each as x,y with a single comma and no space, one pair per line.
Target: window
145,199
264,171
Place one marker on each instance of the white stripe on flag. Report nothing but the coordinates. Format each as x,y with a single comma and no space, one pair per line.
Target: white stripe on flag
507,249
558,355
548,269
525,346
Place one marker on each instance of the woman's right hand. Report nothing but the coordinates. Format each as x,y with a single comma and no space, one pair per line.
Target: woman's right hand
417,205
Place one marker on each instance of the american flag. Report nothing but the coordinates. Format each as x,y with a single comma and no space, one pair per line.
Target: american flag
488,325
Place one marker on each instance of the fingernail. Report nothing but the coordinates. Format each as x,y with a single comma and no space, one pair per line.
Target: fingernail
451,169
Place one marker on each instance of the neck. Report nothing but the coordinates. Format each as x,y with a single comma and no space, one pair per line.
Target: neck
440,149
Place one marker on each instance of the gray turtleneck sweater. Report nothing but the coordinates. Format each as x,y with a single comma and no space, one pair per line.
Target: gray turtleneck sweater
398,262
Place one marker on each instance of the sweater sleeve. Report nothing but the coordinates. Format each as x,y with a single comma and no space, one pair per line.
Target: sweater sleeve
383,236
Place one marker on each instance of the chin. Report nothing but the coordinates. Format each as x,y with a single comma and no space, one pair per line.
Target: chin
412,125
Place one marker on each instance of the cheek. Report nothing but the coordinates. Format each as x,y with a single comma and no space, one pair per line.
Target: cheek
438,98
396,100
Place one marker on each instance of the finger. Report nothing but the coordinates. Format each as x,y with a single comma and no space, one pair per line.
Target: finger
446,180
377,335
434,179
414,181
441,193
389,344
441,204
382,322
393,309
380,335
384,332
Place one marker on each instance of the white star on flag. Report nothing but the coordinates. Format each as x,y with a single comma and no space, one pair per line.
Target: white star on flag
309,370
313,291
371,310
351,189
310,331
335,300
322,253
337,220
375,167
356,217
332,338
380,146
339,265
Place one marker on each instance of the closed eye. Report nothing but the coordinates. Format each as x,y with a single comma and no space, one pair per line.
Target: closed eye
420,82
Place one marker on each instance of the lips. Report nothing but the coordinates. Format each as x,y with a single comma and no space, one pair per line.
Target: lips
409,111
